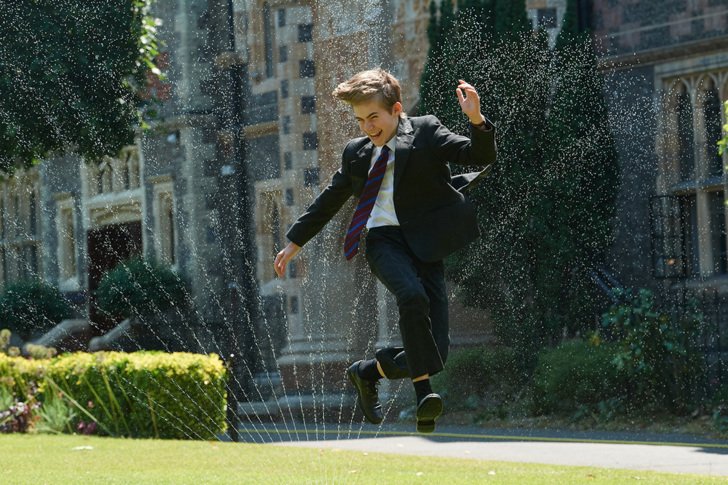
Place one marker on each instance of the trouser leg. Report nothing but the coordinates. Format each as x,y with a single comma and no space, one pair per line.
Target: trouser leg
419,290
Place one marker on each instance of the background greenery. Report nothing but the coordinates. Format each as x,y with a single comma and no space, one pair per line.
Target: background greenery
30,308
140,394
546,209
73,77
141,289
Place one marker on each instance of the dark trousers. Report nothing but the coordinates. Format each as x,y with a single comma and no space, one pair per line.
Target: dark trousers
419,289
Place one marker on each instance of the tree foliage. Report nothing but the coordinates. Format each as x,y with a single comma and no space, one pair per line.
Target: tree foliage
141,289
546,210
72,76
30,308
723,142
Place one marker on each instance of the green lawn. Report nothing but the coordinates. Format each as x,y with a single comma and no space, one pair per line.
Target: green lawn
43,459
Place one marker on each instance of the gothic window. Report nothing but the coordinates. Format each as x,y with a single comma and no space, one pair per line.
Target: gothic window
685,135
32,213
268,232
19,226
107,177
711,113
716,205
275,230
66,236
164,227
689,230
114,175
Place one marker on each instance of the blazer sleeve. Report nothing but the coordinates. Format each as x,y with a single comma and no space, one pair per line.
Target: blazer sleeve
324,207
478,150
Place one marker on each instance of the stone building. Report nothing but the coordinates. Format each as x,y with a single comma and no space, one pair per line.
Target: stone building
240,150
667,77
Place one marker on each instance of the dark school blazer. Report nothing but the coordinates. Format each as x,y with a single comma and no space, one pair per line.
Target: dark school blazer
435,217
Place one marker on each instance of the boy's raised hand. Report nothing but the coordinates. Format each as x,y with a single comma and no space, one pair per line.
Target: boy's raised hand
469,102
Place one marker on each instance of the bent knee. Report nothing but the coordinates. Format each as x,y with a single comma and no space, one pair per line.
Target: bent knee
414,300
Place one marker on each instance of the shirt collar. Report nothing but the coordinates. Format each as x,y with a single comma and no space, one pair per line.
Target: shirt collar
391,144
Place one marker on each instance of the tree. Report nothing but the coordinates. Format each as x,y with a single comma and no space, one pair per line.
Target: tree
436,81
537,221
723,142
581,175
72,76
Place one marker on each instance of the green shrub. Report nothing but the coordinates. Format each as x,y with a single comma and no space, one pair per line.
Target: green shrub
30,308
141,394
719,411
488,378
576,376
18,375
55,415
141,289
658,351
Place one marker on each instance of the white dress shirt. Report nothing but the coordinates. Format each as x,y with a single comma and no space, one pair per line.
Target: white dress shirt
383,213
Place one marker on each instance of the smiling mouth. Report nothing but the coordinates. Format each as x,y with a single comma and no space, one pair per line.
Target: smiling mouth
375,135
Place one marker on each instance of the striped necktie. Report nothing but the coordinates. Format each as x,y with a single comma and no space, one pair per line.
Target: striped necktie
366,204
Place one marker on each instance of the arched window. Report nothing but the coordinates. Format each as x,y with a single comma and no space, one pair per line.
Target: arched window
275,229
686,135
713,131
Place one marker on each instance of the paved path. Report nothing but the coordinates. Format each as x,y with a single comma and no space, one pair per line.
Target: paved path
662,453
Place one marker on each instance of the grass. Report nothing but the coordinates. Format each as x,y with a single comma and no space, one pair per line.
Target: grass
77,460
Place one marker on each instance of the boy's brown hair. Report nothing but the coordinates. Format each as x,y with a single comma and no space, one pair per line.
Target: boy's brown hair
366,85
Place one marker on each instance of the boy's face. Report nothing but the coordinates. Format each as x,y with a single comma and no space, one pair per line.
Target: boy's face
376,121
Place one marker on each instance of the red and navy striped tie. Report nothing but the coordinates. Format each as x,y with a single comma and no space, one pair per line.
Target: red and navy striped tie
366,204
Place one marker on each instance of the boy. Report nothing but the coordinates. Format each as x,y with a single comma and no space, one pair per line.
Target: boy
413,217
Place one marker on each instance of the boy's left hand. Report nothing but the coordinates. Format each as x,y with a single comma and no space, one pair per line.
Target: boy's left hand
469,102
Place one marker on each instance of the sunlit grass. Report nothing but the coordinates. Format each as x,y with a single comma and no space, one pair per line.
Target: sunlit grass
42,459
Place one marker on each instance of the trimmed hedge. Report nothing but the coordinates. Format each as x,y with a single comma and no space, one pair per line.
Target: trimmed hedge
140,395
577,374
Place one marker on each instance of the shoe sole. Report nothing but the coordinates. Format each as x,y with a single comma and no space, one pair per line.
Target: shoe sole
427,412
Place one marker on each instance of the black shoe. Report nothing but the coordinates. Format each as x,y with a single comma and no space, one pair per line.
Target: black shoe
428,410
368,397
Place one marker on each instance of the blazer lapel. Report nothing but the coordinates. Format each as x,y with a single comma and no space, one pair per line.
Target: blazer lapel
360,165
403,149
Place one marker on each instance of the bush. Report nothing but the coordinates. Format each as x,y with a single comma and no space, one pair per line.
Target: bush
577,376
30,308
140,395
140,289
483,377
719,411
659,352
